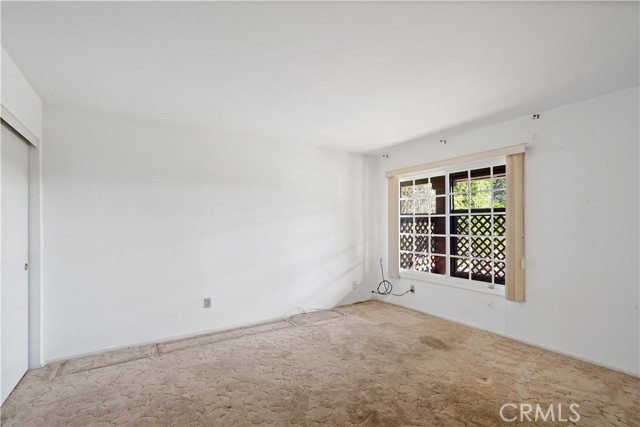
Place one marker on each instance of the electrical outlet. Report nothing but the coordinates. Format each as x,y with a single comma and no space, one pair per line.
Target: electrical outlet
207,303
354,284
413,289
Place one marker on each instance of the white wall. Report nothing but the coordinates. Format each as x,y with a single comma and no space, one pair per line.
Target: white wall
582,195
22,109
143,220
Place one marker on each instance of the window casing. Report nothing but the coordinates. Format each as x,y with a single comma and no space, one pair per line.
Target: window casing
452,224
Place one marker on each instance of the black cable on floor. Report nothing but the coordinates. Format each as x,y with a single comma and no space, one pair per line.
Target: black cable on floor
385,287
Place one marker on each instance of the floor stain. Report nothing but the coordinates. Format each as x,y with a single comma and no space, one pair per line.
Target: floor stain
434,342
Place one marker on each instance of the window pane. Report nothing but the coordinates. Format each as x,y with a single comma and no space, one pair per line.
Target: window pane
499,273
406,225
438,264
438,245
460,202
422,243
500,199
406,207
421,262
425,206
437,182
460,187
481,200
481,270
480,187
499,183
406,242
406,260
481,247
460,224
406,189
422,188
438,225
480,174
440,205
499,249
499,225
422,225
424,196
481,225
459,182
460,267
460,246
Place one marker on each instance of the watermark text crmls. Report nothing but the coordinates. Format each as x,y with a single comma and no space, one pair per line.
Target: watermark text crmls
512,412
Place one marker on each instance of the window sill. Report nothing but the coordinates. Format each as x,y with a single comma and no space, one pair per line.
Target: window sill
453,282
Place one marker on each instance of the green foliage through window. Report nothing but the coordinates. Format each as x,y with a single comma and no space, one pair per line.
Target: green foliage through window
477,194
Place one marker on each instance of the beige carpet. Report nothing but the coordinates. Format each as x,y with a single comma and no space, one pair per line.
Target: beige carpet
370,364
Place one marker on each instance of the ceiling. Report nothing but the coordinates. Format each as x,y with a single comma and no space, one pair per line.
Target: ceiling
353,76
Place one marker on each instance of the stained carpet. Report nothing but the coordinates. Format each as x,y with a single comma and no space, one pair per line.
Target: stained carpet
368,364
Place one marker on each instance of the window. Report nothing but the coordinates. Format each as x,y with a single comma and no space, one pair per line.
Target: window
481,208
453,224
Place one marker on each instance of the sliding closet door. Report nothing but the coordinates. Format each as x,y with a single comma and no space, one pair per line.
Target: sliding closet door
14,300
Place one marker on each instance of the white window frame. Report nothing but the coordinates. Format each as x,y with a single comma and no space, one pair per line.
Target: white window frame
446,279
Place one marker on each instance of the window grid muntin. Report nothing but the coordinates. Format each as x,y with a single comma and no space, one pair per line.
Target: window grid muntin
497,186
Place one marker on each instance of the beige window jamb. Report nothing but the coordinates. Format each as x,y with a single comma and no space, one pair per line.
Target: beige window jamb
514,290
394,225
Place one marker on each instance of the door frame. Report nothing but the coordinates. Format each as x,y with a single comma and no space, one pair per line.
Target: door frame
35,236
